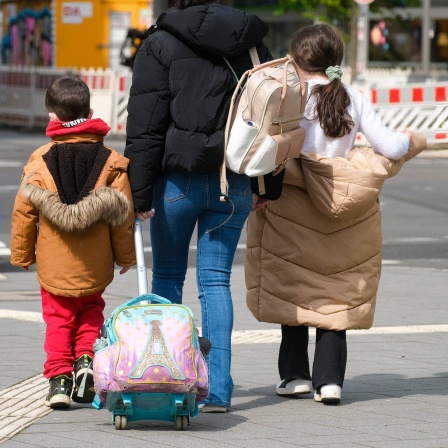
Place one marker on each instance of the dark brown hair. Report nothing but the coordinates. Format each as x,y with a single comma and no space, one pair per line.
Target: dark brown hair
69,98
315,48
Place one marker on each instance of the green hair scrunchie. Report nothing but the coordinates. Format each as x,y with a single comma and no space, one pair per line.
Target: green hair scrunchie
334,72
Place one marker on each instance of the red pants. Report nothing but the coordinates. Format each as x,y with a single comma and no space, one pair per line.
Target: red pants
73,325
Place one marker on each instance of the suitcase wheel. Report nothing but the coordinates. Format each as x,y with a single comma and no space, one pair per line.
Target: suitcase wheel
182,422
120,421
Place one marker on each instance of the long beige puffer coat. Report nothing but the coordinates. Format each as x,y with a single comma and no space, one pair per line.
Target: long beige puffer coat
314,255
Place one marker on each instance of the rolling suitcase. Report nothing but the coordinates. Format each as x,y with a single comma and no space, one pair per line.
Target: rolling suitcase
148,363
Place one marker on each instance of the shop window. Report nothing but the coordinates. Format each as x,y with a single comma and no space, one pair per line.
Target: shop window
395,42
399,42
439,48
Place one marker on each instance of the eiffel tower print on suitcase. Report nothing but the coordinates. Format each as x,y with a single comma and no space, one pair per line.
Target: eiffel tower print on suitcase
148,364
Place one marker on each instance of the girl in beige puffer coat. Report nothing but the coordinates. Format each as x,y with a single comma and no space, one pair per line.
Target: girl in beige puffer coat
314,255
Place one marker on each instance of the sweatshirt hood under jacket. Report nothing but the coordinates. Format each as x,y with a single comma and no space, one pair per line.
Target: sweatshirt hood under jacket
79,126
214,29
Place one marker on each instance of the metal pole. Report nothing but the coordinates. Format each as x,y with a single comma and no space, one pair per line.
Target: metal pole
142,279
354,42
426,49
362,39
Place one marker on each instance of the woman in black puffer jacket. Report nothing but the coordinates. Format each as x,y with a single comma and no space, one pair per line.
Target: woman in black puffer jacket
177,111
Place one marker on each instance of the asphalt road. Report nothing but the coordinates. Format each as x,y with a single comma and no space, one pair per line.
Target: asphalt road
414,204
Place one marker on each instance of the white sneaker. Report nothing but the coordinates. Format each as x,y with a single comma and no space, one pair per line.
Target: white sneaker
294,387
330,393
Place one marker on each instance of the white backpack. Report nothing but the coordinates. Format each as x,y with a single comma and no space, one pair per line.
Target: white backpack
263,126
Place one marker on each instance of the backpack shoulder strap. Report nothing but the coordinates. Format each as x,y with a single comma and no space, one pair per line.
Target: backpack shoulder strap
303,83
254,56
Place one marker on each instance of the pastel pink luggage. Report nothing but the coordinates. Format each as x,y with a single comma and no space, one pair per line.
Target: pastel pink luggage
148,365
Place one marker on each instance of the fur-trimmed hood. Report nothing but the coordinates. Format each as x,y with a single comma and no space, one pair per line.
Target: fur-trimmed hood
103,203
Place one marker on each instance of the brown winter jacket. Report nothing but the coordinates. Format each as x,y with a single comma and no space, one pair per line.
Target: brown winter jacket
314,255
75,245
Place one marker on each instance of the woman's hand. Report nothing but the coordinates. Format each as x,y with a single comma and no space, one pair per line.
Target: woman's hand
141,216
260,203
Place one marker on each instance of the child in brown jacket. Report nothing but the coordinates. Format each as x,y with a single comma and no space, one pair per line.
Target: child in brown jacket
73,216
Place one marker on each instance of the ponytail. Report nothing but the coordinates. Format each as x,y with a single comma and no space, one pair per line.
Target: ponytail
332,101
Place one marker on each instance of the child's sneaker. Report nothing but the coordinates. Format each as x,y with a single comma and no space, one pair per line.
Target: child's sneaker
84,391
60,390
205,346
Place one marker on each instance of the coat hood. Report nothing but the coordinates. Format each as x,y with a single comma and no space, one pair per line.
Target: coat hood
214,29
100,203
346,188
339,187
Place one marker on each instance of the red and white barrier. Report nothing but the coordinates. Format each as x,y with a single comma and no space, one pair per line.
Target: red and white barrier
22,95
102,92
123,87
410,95
422,108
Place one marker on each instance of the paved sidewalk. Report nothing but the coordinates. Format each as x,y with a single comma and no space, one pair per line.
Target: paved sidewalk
395,393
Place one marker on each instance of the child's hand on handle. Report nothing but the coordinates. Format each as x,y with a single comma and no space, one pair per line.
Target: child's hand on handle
141,216
124,270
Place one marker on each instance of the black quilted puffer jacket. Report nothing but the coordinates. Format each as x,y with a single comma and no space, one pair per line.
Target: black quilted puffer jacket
181,91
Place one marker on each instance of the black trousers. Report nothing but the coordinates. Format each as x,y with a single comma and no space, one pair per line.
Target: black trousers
330,356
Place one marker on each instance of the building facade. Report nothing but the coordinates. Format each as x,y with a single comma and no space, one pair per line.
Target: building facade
76,34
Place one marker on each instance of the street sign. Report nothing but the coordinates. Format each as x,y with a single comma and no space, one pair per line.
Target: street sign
75,12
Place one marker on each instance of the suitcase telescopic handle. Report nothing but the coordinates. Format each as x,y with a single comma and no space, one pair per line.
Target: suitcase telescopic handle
142,279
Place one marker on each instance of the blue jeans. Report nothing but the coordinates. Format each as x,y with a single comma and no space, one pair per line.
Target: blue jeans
182,201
